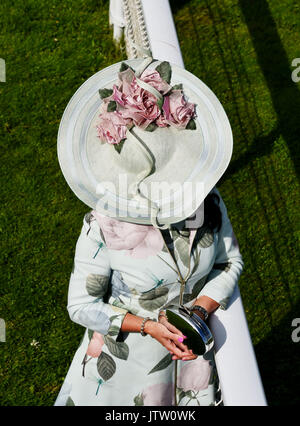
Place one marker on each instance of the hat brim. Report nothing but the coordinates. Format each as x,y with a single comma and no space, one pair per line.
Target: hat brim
81,165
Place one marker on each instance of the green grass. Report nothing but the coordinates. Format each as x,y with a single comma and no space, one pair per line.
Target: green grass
243,51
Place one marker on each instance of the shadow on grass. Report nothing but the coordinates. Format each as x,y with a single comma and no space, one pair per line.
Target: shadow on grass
278,358
260,146
257,146
178,4
276,69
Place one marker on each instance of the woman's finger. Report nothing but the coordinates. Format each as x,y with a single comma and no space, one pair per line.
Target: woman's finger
183,353
175,344
186,357
170,345
173,329
179,342
174,358
170,326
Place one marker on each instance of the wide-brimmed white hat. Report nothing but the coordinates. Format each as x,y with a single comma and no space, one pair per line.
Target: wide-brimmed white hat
159,177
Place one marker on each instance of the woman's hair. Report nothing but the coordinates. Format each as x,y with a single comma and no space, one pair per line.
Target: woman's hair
212,217
212,212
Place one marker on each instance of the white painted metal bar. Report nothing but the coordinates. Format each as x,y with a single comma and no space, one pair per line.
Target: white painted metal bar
239,375
116,18
161,31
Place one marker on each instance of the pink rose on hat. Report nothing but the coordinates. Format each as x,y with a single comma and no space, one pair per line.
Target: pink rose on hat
177,111
148,101
153,78
134,102
112,127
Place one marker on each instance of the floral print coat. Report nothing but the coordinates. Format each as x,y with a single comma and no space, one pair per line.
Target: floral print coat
121,267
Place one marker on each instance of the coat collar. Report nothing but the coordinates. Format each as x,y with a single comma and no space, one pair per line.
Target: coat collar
192,236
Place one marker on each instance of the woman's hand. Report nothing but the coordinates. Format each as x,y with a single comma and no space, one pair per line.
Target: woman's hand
164,320
170,337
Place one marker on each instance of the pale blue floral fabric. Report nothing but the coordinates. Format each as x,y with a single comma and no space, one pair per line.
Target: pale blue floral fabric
120,268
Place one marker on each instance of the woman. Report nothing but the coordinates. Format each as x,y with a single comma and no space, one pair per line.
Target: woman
127,271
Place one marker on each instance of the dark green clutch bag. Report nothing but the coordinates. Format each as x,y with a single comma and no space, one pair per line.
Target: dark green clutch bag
199,337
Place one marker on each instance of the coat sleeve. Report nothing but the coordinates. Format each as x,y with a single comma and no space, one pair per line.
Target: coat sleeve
228,263
89,282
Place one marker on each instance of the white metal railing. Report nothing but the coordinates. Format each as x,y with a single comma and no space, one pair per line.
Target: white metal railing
238,372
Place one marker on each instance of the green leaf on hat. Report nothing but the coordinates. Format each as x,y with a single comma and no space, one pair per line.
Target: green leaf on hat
124,67
105,93
112,106
160,103
191,125
165,71
118,146
177,87
151,127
